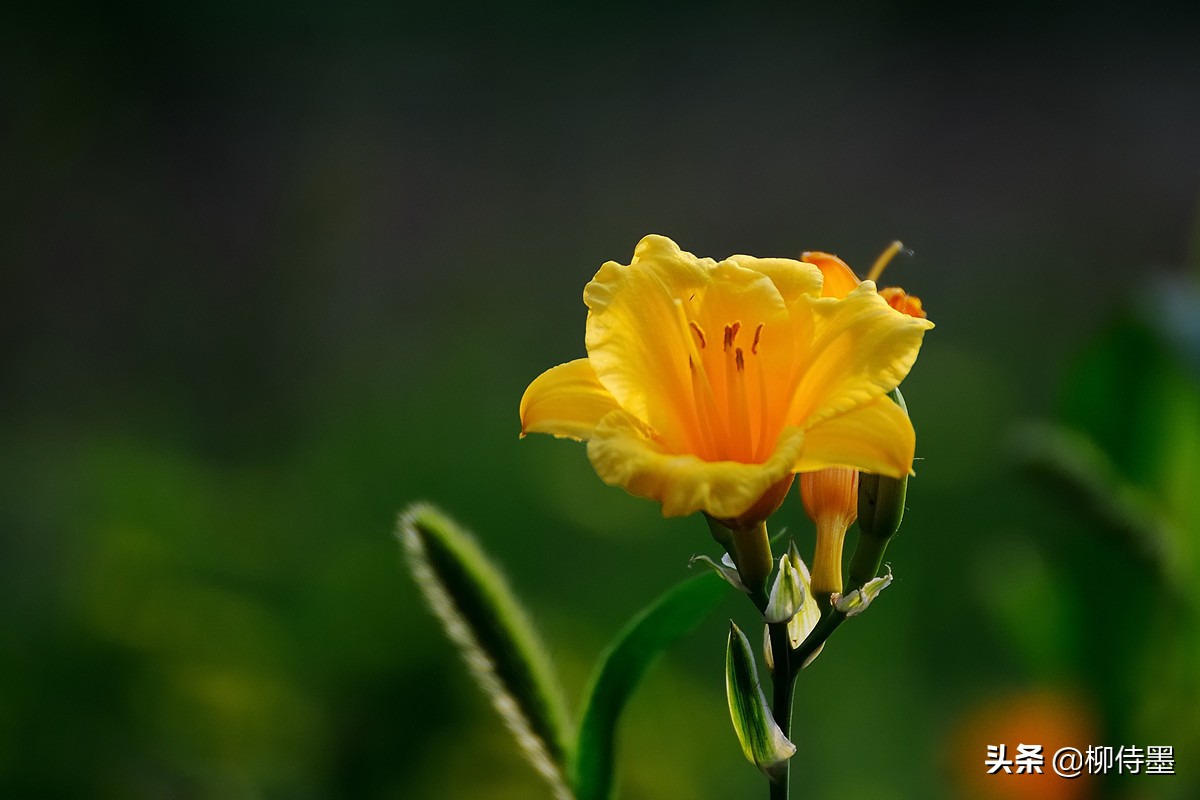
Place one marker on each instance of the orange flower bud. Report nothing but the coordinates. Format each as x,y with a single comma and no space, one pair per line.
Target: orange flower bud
831,499
903,302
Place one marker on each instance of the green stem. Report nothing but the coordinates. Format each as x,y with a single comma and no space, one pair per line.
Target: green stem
783,682
788,663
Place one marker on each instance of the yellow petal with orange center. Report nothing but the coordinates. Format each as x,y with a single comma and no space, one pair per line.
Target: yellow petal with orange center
877,437
656,337
566,401
706,384
840,280
624,453
856,350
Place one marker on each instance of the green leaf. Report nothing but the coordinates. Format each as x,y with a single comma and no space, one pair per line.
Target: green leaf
655,628
763,743
495,637
1097,486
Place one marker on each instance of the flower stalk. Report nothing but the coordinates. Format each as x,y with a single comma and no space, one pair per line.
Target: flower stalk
788,663
752,554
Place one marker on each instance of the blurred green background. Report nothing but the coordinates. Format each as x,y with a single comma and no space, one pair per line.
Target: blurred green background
270,272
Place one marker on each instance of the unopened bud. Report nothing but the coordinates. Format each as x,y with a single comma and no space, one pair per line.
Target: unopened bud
880,511
830,497
880,498
881,504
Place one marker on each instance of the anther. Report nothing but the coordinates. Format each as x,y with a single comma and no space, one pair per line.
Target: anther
731,332
757,336
741,361
699,333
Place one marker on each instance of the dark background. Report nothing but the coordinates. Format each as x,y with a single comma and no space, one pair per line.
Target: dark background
271,272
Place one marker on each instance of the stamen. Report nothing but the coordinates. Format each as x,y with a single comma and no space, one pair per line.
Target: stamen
884,259
708,423
696,329
731,332
757,336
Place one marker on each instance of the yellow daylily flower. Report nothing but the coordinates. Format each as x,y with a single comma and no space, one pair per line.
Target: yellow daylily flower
707,385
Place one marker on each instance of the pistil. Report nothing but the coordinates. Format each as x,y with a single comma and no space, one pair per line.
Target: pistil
884,259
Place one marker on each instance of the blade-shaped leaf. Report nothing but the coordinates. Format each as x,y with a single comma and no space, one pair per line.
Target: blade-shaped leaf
763,743
495,637
645,636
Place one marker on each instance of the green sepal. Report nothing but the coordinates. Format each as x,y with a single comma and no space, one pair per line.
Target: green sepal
643,638
763,742
495,637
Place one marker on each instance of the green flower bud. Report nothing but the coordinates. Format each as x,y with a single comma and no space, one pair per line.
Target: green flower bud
880,504
880,498
880,512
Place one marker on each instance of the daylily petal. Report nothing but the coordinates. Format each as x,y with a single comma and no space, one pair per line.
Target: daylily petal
877,437
858,349
840,280
624,454
792,278
566,401
636,342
